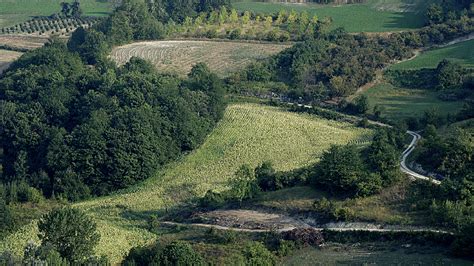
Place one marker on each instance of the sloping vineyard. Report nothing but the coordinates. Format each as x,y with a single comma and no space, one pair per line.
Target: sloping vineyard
248,134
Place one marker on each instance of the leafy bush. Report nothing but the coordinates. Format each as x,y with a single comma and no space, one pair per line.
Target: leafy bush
451,214
180,253
222,236
257,254
212,200
463,245
286,248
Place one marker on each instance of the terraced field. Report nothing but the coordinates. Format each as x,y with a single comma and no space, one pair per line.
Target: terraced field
180,56
248,133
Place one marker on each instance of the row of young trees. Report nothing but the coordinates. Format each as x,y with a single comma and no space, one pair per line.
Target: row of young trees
230,24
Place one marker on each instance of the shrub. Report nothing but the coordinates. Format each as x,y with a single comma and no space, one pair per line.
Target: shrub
235,34
448,213
222,236
257,254
180,253
212,200
463,245
285,248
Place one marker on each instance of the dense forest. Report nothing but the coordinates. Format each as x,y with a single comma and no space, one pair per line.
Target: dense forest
83,131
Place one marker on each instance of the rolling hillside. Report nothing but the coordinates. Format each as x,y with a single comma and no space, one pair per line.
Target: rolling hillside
248,134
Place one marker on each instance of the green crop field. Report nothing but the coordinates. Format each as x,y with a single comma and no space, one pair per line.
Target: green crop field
399,103
462,52
17,11
180,56
248,134
373,16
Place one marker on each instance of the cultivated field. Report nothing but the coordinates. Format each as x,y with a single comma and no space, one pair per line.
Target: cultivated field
248,133
373,16
462,52
16,11
21,41
180,56
399,103
6,58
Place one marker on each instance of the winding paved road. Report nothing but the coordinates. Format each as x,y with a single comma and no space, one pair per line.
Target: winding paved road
404,168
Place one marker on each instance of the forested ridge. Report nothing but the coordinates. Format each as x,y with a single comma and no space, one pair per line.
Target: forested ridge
72,130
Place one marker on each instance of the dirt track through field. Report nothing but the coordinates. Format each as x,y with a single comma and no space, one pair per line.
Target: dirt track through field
256,221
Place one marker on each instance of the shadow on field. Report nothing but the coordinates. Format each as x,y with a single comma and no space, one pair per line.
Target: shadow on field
407,20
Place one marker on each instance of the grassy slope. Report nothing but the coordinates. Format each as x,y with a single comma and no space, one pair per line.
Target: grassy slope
248,133
401,103
387,207
374,16
17,11
462,52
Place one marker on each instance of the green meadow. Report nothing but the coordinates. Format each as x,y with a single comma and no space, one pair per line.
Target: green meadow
400,103
462,53
373,16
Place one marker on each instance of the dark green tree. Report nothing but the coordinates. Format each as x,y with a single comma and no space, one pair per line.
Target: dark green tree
435,14
6,218
383,158
70,231
449,75
65,8
76,9
342,171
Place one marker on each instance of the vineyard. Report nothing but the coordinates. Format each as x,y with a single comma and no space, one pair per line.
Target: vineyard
248,134
181,56
49,25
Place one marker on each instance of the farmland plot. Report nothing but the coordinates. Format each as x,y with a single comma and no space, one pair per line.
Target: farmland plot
248,134
6,58
180,56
